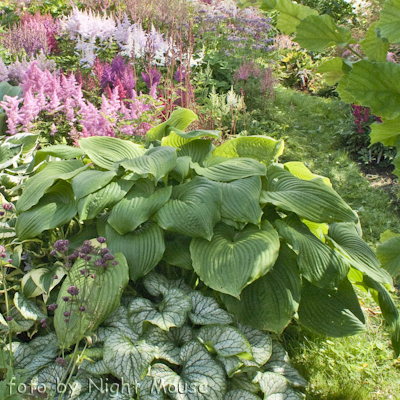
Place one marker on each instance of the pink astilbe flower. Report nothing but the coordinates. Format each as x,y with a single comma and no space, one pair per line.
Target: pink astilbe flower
3,71
30,109
14,115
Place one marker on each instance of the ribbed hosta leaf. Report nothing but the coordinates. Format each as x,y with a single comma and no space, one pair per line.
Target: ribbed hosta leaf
291,14
206,311
90,181
231,169
57,207
179,119
262,148
225,340
137,207
178,138
276,387
59,150
28,308
299,170
240,394
92,204
177,250
36,186
143,248
389,20
388,254
169,313
312,200
18,323
106,151
44,277
316,32
204,377
154,164
103,300
270,302
9,153
233,259
240,200
197,150
193,210
182,168
126,360
318,263
331,312
358,254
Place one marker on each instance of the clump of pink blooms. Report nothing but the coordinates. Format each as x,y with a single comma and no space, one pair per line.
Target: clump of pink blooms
47,92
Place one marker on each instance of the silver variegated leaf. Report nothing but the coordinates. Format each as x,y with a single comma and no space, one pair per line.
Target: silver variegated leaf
149,389
156,284
244,381
231,364
49,377
28,308
241,394
289,372
276,387
225,340
126,360
95,368
206,311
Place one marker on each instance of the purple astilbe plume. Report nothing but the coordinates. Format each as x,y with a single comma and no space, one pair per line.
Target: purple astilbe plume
180,74
152,77
3,71
107,76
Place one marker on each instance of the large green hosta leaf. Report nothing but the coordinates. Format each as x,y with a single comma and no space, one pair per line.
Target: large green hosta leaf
138,206
331,312
233,259
57,207
193,210
155,163
177,250
143,248
312,200
179,119
389,20
231,169
375,85
299,170
316,32
388,253
105,293
36,186
106,151
197,150
59,150
262,148
9,153
204,377
240,200
90,181
178,138
358,254
270,302
92,204
318,263
127,360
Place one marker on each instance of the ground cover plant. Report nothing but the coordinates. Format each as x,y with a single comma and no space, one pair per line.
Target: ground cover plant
141,247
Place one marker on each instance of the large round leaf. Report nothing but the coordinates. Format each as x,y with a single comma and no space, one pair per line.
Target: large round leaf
270,302
193,210
143,248
233,259
57,207
312,200
331,312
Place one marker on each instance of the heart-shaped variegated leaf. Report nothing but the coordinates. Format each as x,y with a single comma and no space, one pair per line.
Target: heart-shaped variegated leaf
331,312
227,170
106,151
96,368
56,207
244,381
318,263
357,253
36,186
177,250
28,308
202,376
206,311
105,293
90,181
193,210
138,206
126,360
240,394
155,163
170,312
262,148
231,364
313,200
240,200
143,248
18,323
270,302
48,377
92,204
233,259
275,386
286,370
225,340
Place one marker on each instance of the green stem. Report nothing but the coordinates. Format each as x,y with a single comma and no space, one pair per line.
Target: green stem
71,364
354,52
3,275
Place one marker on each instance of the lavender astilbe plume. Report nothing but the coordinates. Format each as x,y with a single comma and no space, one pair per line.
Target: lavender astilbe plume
3,71
14,115
151,77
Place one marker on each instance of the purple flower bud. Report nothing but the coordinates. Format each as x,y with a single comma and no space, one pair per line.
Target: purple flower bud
108,257
3,255
7,206
43,321
1,213
52,307
55,277
66,320
8,319
93,276
87,243
44,325
66,314
53,253
88,258
73,291
66,298
101,239
83,271
114,263
61,361
81,308
82,255
99,262
104,251
10,260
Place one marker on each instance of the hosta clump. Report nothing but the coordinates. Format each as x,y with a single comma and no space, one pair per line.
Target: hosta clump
273,240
